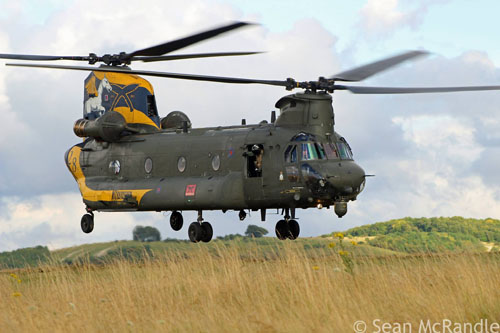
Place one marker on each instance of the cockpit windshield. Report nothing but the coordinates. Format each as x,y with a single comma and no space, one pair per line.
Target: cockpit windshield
312,151
331,151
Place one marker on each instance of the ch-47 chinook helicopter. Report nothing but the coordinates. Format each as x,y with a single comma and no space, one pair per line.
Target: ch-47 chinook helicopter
133,160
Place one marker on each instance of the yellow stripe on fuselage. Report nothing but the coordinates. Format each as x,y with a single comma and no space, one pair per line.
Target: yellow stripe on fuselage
89,194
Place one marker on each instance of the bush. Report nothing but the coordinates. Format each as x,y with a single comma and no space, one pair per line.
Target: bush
31,256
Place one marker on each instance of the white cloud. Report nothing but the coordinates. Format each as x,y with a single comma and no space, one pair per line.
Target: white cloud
432,154
385,17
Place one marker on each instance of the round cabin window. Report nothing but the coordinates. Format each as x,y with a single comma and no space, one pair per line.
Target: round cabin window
148,165
216,162
114,166
181,164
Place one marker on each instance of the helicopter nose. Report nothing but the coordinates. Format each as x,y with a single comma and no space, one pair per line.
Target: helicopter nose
346,177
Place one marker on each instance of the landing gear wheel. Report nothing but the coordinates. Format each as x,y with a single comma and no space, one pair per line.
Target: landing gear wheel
195,232
294,229
176,221
87,223
282,229
208,232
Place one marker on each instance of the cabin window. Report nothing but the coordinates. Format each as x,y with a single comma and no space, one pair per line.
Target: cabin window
181,164
114,166
148,165
216,162
291,154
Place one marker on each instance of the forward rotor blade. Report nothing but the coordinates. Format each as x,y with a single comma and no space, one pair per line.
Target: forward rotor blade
288,84
365,71
41,57
409,90
177,44
192,56
194,77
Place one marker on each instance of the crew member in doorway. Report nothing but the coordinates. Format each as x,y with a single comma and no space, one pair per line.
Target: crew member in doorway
258,152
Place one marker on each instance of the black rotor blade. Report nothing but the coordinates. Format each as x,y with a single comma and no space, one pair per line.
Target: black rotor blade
41,57
365,71
410,90
192,56
289,83
177,44
194,77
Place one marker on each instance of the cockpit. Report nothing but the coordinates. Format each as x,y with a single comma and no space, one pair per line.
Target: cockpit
309,149
306,163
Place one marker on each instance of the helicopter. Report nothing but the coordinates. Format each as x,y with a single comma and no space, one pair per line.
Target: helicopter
131,159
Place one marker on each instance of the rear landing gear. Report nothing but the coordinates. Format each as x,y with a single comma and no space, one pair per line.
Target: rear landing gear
200,231
208,232
87,223
195,232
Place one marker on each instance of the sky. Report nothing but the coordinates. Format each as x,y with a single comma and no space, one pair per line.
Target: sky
432,154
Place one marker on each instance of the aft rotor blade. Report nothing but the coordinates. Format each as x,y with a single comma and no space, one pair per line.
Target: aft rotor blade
41,57
365,71
410,90
177,44
193,56
194,77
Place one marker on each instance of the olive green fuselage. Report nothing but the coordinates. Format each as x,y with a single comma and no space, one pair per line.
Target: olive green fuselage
220,168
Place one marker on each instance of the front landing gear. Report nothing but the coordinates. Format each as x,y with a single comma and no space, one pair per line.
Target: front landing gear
176,221
200,231
87,223
287,228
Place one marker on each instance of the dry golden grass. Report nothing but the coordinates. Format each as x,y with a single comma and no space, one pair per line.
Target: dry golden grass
222,291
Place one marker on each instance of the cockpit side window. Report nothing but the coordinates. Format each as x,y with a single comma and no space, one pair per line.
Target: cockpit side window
344,151
291,154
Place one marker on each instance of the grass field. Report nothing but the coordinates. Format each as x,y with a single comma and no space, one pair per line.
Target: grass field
250,286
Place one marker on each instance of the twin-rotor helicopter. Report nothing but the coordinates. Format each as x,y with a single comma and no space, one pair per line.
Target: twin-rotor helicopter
131,159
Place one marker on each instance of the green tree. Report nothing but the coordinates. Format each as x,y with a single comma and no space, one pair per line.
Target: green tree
255,231
146,234
28,257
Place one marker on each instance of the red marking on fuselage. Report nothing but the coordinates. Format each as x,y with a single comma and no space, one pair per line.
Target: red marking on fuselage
190,190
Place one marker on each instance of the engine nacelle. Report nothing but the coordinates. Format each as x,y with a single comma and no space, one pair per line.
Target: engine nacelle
109,127
175,120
